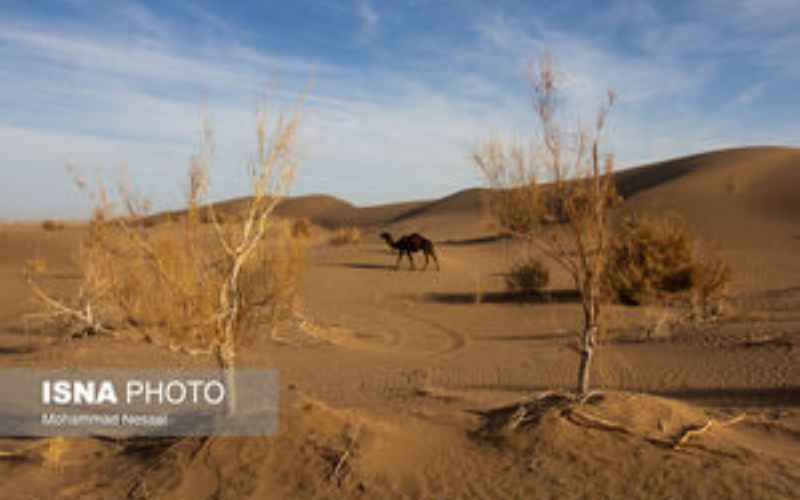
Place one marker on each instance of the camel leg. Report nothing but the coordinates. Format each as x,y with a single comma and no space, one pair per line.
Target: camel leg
399,257
427,260
435,259
411,260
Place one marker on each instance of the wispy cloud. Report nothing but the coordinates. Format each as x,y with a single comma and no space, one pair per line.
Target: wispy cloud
104,112
369,18
751,15
591,67
751,94
391,119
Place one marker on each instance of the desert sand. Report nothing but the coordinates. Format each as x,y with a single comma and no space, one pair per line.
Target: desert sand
397,384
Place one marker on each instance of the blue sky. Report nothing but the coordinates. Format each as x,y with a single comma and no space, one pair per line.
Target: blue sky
397,93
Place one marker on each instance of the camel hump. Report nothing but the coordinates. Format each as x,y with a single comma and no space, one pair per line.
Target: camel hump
421,242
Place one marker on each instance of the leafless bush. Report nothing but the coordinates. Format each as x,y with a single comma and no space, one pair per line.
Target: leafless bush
566,219
528,276
711,278
203,287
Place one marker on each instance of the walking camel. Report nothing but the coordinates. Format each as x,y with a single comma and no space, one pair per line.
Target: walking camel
409,244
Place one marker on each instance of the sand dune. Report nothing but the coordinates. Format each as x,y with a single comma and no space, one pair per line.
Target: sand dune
759,180
755,182
723,193
743,201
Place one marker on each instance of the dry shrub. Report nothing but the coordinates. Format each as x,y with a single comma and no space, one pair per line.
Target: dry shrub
269,284
558,209
169,278
150,222
301,228
527,276
658,257
203,286
228,216
517,210
52,225
345,236
711,279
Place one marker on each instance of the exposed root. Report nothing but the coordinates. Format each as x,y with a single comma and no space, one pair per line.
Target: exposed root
48,452
529,413
585,420
28,454
181,349
340,469
687,434
590,397
154,453
572,408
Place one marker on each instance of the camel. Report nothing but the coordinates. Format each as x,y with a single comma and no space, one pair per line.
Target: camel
409,244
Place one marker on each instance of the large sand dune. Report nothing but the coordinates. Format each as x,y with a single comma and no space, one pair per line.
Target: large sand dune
418,368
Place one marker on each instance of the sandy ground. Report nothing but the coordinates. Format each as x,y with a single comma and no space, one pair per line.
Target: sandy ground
407,374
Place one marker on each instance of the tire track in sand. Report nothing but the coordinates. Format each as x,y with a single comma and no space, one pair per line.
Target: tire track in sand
456,339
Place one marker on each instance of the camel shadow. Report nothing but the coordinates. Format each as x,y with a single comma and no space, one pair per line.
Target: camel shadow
381,251
547,297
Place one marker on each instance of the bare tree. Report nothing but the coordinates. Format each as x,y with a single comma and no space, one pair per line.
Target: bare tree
557,193
201,286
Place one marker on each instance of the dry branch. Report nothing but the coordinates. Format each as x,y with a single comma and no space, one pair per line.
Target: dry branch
85,316
688,433
338,471
592,421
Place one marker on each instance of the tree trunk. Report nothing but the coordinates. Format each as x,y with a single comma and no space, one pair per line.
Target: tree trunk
225,359
587,351
588,339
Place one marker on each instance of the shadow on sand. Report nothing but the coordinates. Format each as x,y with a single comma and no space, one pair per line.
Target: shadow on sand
363,265
474,241
736,396
740,397
525,338
547,297
522,388
15,350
